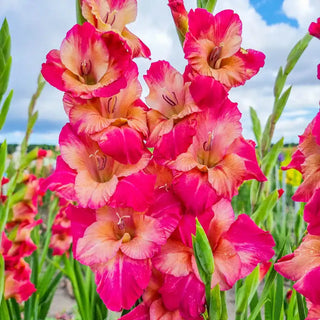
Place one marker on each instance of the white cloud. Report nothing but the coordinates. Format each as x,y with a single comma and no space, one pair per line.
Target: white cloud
304,11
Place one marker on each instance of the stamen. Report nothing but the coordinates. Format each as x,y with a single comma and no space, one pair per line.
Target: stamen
111,105
85,67
121,224
165,186
214,56
171,101
107,18
101,160
207,145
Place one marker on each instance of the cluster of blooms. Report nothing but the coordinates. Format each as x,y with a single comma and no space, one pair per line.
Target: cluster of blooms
17,243
136,210
303,265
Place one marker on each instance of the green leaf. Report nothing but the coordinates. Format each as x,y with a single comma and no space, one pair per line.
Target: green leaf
30,156
4,77
5,42
280,104
210,5
32,120
5,109
3,157
267,287
278,298
279,83
246,292
203,254
269,161
256,124
301,307
215,306
296,53
266,139
1,276
265,208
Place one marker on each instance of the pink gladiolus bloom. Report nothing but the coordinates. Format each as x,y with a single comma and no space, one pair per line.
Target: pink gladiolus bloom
314,28
119,243
89,63
238,246
114,15
215,162
97,174
93,116
169,98
17,282
212,47
306,160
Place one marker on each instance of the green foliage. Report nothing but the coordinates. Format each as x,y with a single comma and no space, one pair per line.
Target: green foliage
207,4
203,254
5,58
3,157
256,125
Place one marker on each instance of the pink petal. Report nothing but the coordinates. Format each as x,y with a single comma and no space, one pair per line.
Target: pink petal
174,259
141,312
253,245
121,281
123,144
312,214
227,265
166,208
80,219
136,191
149,236
307,286
98,244
184,293
195,192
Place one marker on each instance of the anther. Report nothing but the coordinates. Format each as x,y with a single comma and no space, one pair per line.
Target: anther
85,67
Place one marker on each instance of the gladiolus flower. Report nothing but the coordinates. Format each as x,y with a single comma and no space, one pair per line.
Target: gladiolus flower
215,162
212,47
97,174
93,116
118,244
89,63
169,98
17,282
114,15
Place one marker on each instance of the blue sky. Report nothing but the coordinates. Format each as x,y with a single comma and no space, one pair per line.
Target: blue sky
268,25
272,13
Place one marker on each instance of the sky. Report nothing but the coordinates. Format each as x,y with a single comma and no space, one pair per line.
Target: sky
270,26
